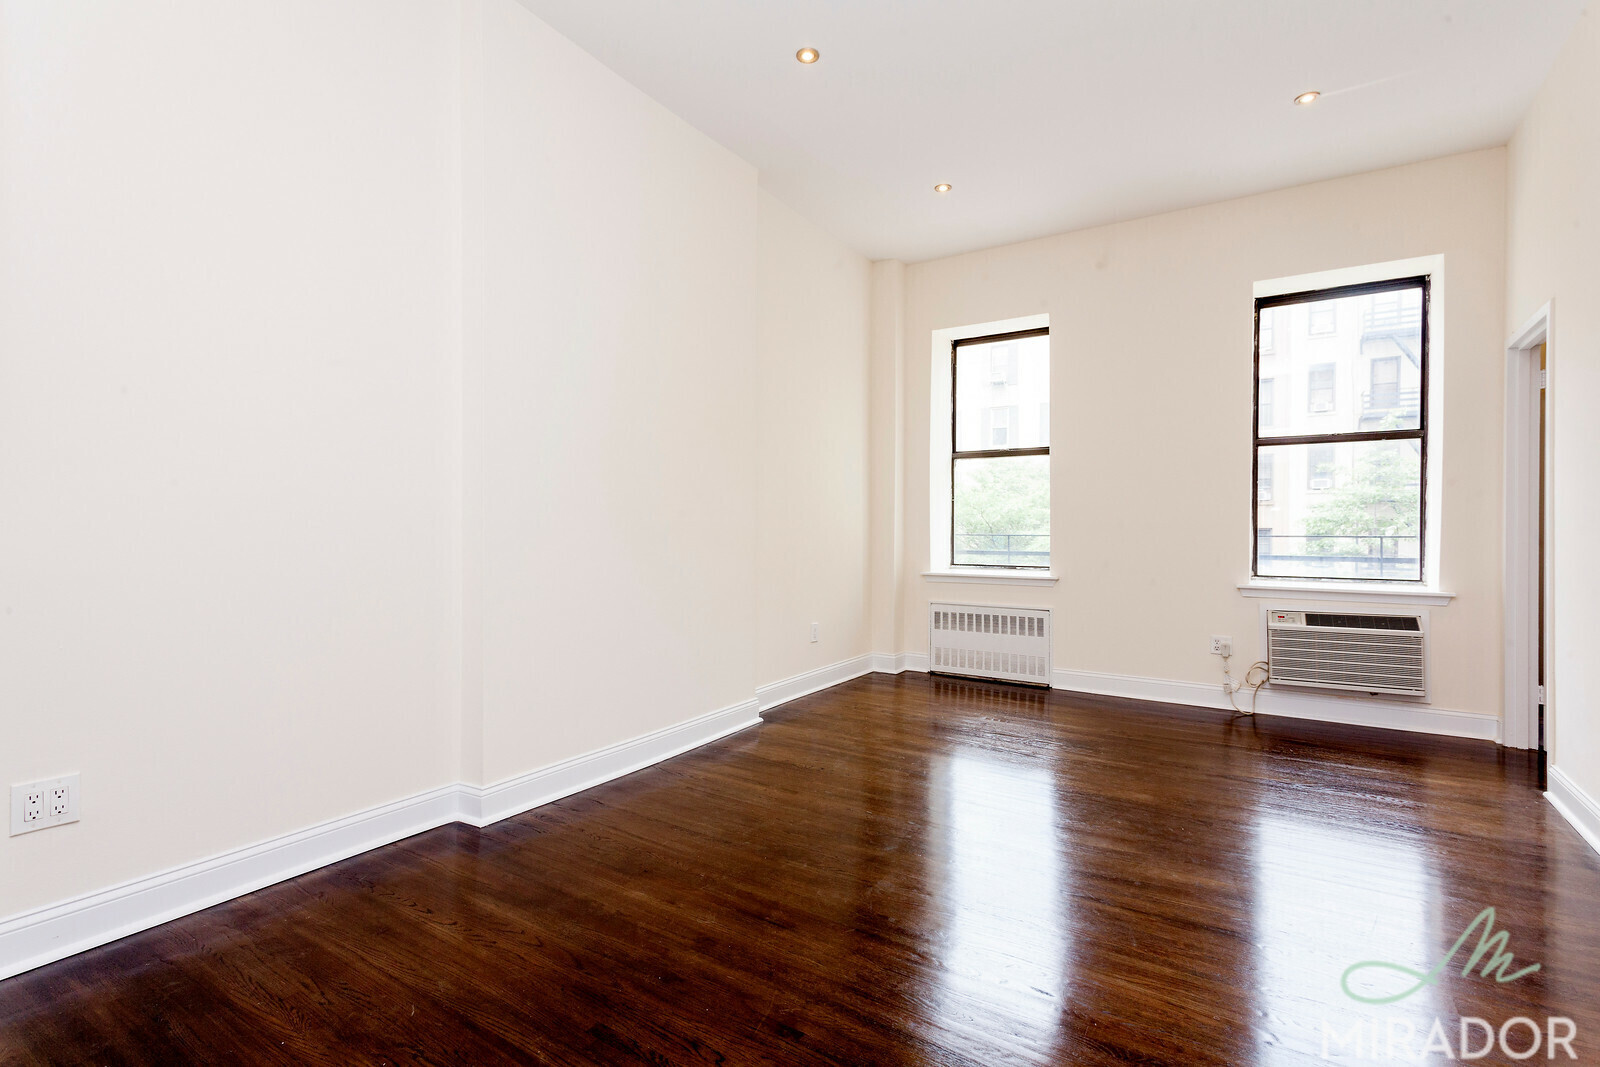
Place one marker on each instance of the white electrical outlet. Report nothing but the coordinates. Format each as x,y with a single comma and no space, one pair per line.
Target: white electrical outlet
1221,646
39,805
815,630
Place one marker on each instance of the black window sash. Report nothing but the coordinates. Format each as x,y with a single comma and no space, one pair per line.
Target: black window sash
1419,434
984,453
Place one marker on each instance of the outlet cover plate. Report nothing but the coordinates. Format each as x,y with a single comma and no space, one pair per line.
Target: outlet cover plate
47,788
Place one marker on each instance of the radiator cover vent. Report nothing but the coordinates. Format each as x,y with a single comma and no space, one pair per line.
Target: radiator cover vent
1362,653
983,641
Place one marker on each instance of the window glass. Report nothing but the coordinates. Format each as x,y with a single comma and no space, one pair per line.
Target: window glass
1000,452
1002,512
999,382
1342,495
1360,516
1364,374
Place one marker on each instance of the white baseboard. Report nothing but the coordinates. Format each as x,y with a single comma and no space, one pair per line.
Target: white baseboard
899,662
1576,806
770,696
33,939
1291,703
483,805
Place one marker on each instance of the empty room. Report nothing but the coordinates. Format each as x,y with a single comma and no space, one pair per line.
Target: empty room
748,532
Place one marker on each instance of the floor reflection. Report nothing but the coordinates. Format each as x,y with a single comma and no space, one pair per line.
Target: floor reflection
1329,896
1004,958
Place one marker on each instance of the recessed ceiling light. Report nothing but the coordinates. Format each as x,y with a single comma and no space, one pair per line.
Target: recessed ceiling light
808,55
1307,98
942,187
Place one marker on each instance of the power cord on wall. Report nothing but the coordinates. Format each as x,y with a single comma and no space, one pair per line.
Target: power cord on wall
1250,682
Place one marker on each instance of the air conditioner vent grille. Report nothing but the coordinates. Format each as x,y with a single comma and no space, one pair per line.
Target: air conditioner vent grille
1363,653
1011,644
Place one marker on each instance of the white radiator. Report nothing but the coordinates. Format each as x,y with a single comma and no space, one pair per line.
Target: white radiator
1011,644
1354,651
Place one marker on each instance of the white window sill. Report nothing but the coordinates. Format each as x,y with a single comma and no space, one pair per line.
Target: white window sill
991,576
1358,592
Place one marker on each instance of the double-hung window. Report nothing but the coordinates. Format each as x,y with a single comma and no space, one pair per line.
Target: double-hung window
1340,487
1000,450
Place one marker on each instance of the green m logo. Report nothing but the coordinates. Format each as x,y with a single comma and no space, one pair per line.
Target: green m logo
1490,944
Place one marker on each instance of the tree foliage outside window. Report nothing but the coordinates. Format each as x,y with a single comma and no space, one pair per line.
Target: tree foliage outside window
1381,500
1002,511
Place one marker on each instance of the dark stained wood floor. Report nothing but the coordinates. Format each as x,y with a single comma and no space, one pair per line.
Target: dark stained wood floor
897,870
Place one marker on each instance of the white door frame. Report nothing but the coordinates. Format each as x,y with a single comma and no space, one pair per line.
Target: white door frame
1521,725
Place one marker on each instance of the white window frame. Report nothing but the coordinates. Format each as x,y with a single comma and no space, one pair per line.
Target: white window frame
1427,591
939,565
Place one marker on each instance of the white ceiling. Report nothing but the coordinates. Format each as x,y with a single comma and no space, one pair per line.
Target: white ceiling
1051,115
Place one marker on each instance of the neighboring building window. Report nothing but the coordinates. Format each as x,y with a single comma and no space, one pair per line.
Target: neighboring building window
999,461
1320,391
1003,365
1000,426
1385,391
1319,467
1266,331
1322,320
1361,515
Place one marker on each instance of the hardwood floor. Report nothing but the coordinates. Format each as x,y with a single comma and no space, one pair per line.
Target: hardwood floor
897,870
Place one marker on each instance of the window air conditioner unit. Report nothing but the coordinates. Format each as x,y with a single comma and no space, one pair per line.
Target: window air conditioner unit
1264,495
1321,406
1320,483
1357,653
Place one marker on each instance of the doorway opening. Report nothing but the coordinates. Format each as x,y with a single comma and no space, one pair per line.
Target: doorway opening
1529,688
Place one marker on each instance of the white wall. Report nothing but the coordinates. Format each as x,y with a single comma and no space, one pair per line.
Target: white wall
1554,215
226,336
811,347
1151,334
386,389
886,359
615,467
